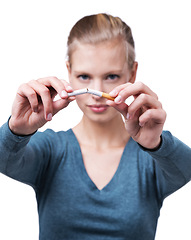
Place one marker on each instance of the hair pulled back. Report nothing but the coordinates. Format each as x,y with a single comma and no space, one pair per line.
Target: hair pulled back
98,28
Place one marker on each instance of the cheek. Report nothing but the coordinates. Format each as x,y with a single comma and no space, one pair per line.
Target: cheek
72,83
108,87
81,101
76,84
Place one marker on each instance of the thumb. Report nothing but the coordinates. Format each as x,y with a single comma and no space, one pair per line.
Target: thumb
60,104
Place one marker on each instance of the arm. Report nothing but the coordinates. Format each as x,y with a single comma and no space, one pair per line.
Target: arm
144,121
18,159
173,164
24,156
29,159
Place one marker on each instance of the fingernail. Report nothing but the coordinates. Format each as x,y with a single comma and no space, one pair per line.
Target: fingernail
49,117
69,88
64,94
118,99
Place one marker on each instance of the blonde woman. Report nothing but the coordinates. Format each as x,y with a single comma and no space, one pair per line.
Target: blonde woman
107,177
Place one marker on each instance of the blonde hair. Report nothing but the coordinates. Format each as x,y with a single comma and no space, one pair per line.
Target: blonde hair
98,28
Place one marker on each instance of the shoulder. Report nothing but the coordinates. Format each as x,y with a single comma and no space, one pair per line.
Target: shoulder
51,134
51,139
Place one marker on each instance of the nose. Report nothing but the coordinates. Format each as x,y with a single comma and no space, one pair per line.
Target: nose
97,84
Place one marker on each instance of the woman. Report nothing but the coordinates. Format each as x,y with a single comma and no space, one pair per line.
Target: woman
102,179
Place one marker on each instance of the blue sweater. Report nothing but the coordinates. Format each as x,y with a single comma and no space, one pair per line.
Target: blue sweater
69,204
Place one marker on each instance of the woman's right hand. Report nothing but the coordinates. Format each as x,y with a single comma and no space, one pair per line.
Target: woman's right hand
34,106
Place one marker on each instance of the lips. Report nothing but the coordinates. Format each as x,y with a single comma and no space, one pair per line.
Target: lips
98,108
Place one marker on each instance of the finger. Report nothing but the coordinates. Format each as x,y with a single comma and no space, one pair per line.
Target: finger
25,91
158,116
122,108
117,89
60,104
67,85
143,100
133,90
45,96
60,86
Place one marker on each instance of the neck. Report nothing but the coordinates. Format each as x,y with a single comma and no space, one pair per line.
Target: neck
102,135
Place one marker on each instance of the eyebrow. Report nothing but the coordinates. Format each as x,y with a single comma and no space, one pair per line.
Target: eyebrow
117,71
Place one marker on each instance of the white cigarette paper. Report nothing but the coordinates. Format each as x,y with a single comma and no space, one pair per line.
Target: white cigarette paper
90,91
95,92
78,92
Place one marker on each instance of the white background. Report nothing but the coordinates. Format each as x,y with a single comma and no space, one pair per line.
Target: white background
33,37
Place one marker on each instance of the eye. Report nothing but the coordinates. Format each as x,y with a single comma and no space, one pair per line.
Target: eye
84,77
112,77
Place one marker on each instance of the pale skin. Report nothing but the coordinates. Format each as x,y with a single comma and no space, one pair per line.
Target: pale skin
101,133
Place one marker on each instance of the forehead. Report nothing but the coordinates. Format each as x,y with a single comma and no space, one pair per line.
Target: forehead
109,54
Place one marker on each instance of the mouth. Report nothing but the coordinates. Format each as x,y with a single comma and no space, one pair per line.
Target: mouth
98,108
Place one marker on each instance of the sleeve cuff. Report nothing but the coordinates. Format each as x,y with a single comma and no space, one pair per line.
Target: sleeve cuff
166,146
11,140
154,149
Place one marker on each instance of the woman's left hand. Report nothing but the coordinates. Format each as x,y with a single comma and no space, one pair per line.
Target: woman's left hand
144,117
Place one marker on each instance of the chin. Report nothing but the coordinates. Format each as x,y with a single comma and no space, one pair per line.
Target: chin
102,118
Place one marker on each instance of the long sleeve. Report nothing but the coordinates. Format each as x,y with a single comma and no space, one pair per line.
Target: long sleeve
24,158
173,164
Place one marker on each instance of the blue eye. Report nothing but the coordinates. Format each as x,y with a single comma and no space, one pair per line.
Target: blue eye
112,77
83,77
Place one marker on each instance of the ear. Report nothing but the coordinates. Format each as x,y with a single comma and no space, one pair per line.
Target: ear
133,72
68,67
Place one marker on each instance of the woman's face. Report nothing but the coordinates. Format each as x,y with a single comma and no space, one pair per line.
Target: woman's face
101,67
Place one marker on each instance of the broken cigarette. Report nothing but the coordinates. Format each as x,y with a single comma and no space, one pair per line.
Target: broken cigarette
91,91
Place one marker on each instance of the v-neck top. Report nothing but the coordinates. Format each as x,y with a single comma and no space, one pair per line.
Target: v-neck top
84,175
70,206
